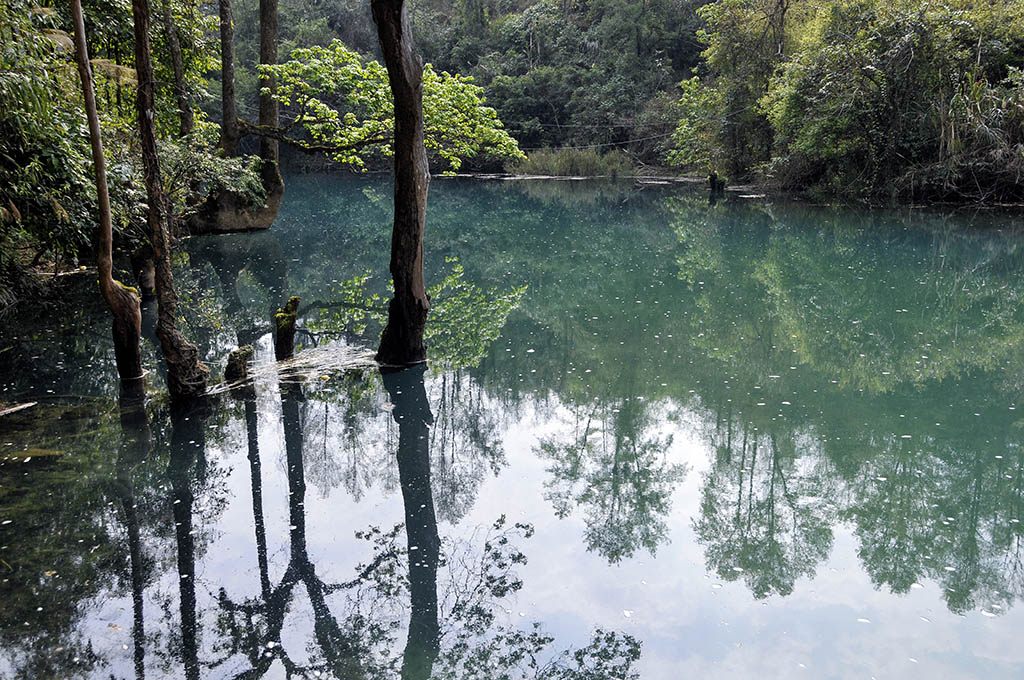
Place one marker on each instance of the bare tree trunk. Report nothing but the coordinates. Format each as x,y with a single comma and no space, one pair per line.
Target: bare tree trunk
186,374
185,114
402,340
269,151
123,301
229,113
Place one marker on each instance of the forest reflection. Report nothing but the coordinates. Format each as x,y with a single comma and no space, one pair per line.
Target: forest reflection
722,347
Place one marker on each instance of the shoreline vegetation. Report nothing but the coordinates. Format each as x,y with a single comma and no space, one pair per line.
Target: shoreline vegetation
866,102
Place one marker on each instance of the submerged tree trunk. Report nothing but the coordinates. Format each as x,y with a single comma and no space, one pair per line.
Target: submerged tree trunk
123,301
186,374
284,328
229,112
402,340
185,115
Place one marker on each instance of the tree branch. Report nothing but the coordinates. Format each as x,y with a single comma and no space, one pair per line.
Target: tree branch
279,133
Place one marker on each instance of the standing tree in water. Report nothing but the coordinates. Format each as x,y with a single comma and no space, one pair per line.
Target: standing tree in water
402,340
123,301
186,374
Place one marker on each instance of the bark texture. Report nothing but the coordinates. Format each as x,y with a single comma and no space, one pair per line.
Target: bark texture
270,172
229,112
237,368
402,340
186,374
124,302
268,56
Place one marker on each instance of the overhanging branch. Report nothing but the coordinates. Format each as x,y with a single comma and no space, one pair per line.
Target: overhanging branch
280,134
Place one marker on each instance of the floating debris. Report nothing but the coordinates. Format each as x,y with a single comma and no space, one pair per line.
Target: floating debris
309,364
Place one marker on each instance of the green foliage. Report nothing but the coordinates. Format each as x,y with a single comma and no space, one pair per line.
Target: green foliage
343,104
192,169
44,164
464,319
48,210
575,163
864,98
567,73
694,140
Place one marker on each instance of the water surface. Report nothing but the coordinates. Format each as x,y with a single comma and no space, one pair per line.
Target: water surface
657,438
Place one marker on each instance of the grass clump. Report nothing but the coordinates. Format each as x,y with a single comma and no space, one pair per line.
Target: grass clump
575,163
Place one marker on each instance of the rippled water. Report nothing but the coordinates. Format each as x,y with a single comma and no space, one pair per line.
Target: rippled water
657,438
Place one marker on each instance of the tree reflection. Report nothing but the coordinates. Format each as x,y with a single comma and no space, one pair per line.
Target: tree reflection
762,517
187,457
615,467
455,630
136,446
412,413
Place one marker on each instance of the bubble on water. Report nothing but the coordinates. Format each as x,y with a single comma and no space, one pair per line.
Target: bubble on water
863,620
988,614
916,586
627,613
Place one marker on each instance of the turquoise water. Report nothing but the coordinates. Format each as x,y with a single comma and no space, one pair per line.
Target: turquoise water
657,438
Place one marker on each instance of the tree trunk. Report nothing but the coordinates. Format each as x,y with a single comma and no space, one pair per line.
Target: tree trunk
284,329
185,115
123,301
268,56
186,374
229,113
402,340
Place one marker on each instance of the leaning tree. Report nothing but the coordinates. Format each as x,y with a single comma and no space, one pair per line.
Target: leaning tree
124,302
186,374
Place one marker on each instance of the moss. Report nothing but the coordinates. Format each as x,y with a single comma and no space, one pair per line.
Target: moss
286,315
130,289
238,363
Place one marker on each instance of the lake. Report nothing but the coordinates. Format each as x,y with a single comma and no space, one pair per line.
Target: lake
657,437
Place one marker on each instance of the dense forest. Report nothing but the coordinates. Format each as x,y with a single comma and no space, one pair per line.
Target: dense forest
863,99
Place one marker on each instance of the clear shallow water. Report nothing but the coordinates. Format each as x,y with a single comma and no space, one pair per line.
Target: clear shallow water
745,440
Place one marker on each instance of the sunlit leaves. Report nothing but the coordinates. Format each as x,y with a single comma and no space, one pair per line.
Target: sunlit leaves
343,105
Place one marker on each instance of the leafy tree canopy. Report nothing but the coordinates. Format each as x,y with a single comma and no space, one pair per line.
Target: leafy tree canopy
343,104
